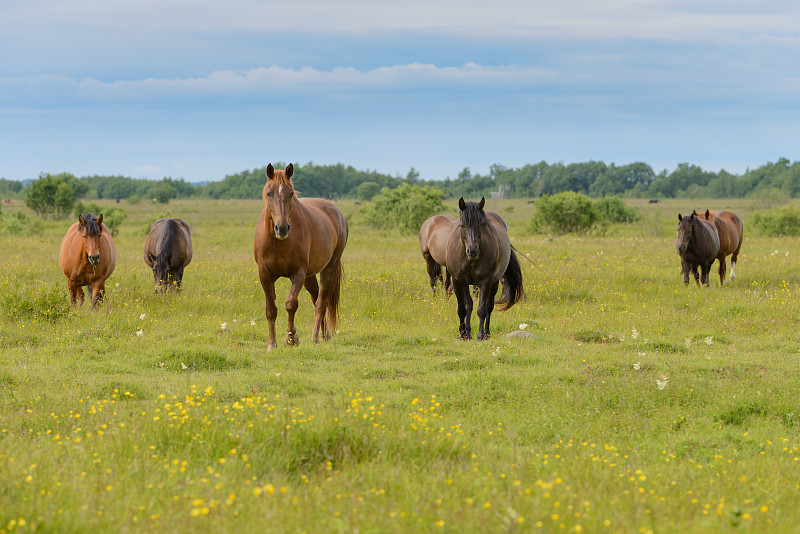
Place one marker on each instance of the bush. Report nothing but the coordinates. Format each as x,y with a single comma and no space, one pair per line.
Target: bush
144,229
17,223
112,217
50,303
778,222
565,213
614,210
51,196
367,191
404,208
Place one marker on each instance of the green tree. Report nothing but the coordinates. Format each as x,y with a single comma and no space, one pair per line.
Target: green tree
564,213
50,196
404,208
366,191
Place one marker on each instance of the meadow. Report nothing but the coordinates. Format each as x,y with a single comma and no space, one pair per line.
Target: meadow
640,405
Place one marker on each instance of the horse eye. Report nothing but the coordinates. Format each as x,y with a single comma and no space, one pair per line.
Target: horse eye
269,195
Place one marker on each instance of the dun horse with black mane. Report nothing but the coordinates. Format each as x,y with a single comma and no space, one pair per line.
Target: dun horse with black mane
477,253
87,257
698,245
168,250
296,239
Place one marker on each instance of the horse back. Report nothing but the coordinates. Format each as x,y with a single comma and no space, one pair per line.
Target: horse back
707,240
171,238
433,236
730,230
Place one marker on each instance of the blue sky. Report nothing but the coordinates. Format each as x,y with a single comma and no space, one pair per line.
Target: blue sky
199,89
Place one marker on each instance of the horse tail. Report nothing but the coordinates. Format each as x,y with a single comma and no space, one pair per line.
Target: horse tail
333,296
513,291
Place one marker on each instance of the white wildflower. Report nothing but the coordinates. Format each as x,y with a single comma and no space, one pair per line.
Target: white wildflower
709,340
637,366
523,326
252,322
223,326
634,333
139,332
687,342
184,366
142,316
661,382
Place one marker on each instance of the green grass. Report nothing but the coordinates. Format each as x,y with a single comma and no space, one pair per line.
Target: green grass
640,405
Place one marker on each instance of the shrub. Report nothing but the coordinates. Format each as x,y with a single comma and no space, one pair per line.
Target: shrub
50,196
367,191
49,303
112,217
18,223
781,221
614,210
144,229
404,208
565,213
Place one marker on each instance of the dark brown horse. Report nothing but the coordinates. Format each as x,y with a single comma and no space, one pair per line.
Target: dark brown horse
296,239
698,245
168,250
730,231
479,253
87,257
433,237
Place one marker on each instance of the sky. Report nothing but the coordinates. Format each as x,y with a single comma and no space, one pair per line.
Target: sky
200,89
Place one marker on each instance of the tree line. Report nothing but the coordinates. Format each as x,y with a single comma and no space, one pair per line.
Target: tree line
594,178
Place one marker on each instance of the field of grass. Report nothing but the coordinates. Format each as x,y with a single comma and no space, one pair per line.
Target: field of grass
641,404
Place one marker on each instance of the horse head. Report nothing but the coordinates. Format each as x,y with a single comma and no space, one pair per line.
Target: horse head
278,194
160,271
471,220
91,229
685,232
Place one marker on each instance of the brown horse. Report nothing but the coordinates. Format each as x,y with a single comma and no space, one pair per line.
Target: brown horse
730,231
479,253
296,239
698,245
168,250
433,237
87,257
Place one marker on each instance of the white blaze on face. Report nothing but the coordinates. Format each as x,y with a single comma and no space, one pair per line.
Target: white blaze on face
280,189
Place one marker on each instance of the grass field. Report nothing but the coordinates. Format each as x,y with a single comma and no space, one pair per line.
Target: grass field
641,405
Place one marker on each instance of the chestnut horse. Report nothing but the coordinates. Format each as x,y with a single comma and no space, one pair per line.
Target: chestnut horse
87,257
168,250
698,245
433,237
479,253
296,239
730,231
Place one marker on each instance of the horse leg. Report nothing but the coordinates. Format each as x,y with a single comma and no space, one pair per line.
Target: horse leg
74,290
178,278
722,268
312,286
448,283
268,284
434,270
464,309
485,307
292,339
686,269
705,270
96,293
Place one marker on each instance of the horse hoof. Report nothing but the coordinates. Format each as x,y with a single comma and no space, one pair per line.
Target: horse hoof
272,346
292,340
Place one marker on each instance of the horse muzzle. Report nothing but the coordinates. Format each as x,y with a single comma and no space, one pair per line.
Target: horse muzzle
681,249
94,259
473,253
282,232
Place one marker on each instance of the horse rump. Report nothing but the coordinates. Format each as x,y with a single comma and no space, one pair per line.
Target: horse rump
513,291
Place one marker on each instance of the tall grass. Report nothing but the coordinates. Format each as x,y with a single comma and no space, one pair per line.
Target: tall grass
640,405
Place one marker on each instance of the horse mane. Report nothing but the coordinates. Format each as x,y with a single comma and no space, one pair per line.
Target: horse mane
90,224
168,241
472,215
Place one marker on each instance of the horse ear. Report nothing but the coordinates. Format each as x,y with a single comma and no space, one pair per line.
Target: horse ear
694,212
152,257
680,218
100,222
482,202
81,221
270,172
691,217
708,215
461,204
289,171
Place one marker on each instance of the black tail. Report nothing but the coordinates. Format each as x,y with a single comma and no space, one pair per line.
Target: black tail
513,291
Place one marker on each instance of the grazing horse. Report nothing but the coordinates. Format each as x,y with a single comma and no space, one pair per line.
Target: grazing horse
87,257
698,245
433,237
730,231
168,250
479,253
296,239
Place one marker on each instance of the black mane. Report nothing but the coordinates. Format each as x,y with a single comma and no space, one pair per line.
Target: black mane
90,224
472,215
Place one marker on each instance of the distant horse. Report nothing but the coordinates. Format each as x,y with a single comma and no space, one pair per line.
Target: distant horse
698,245
87,257
479,253
168,250
730,231
296,239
